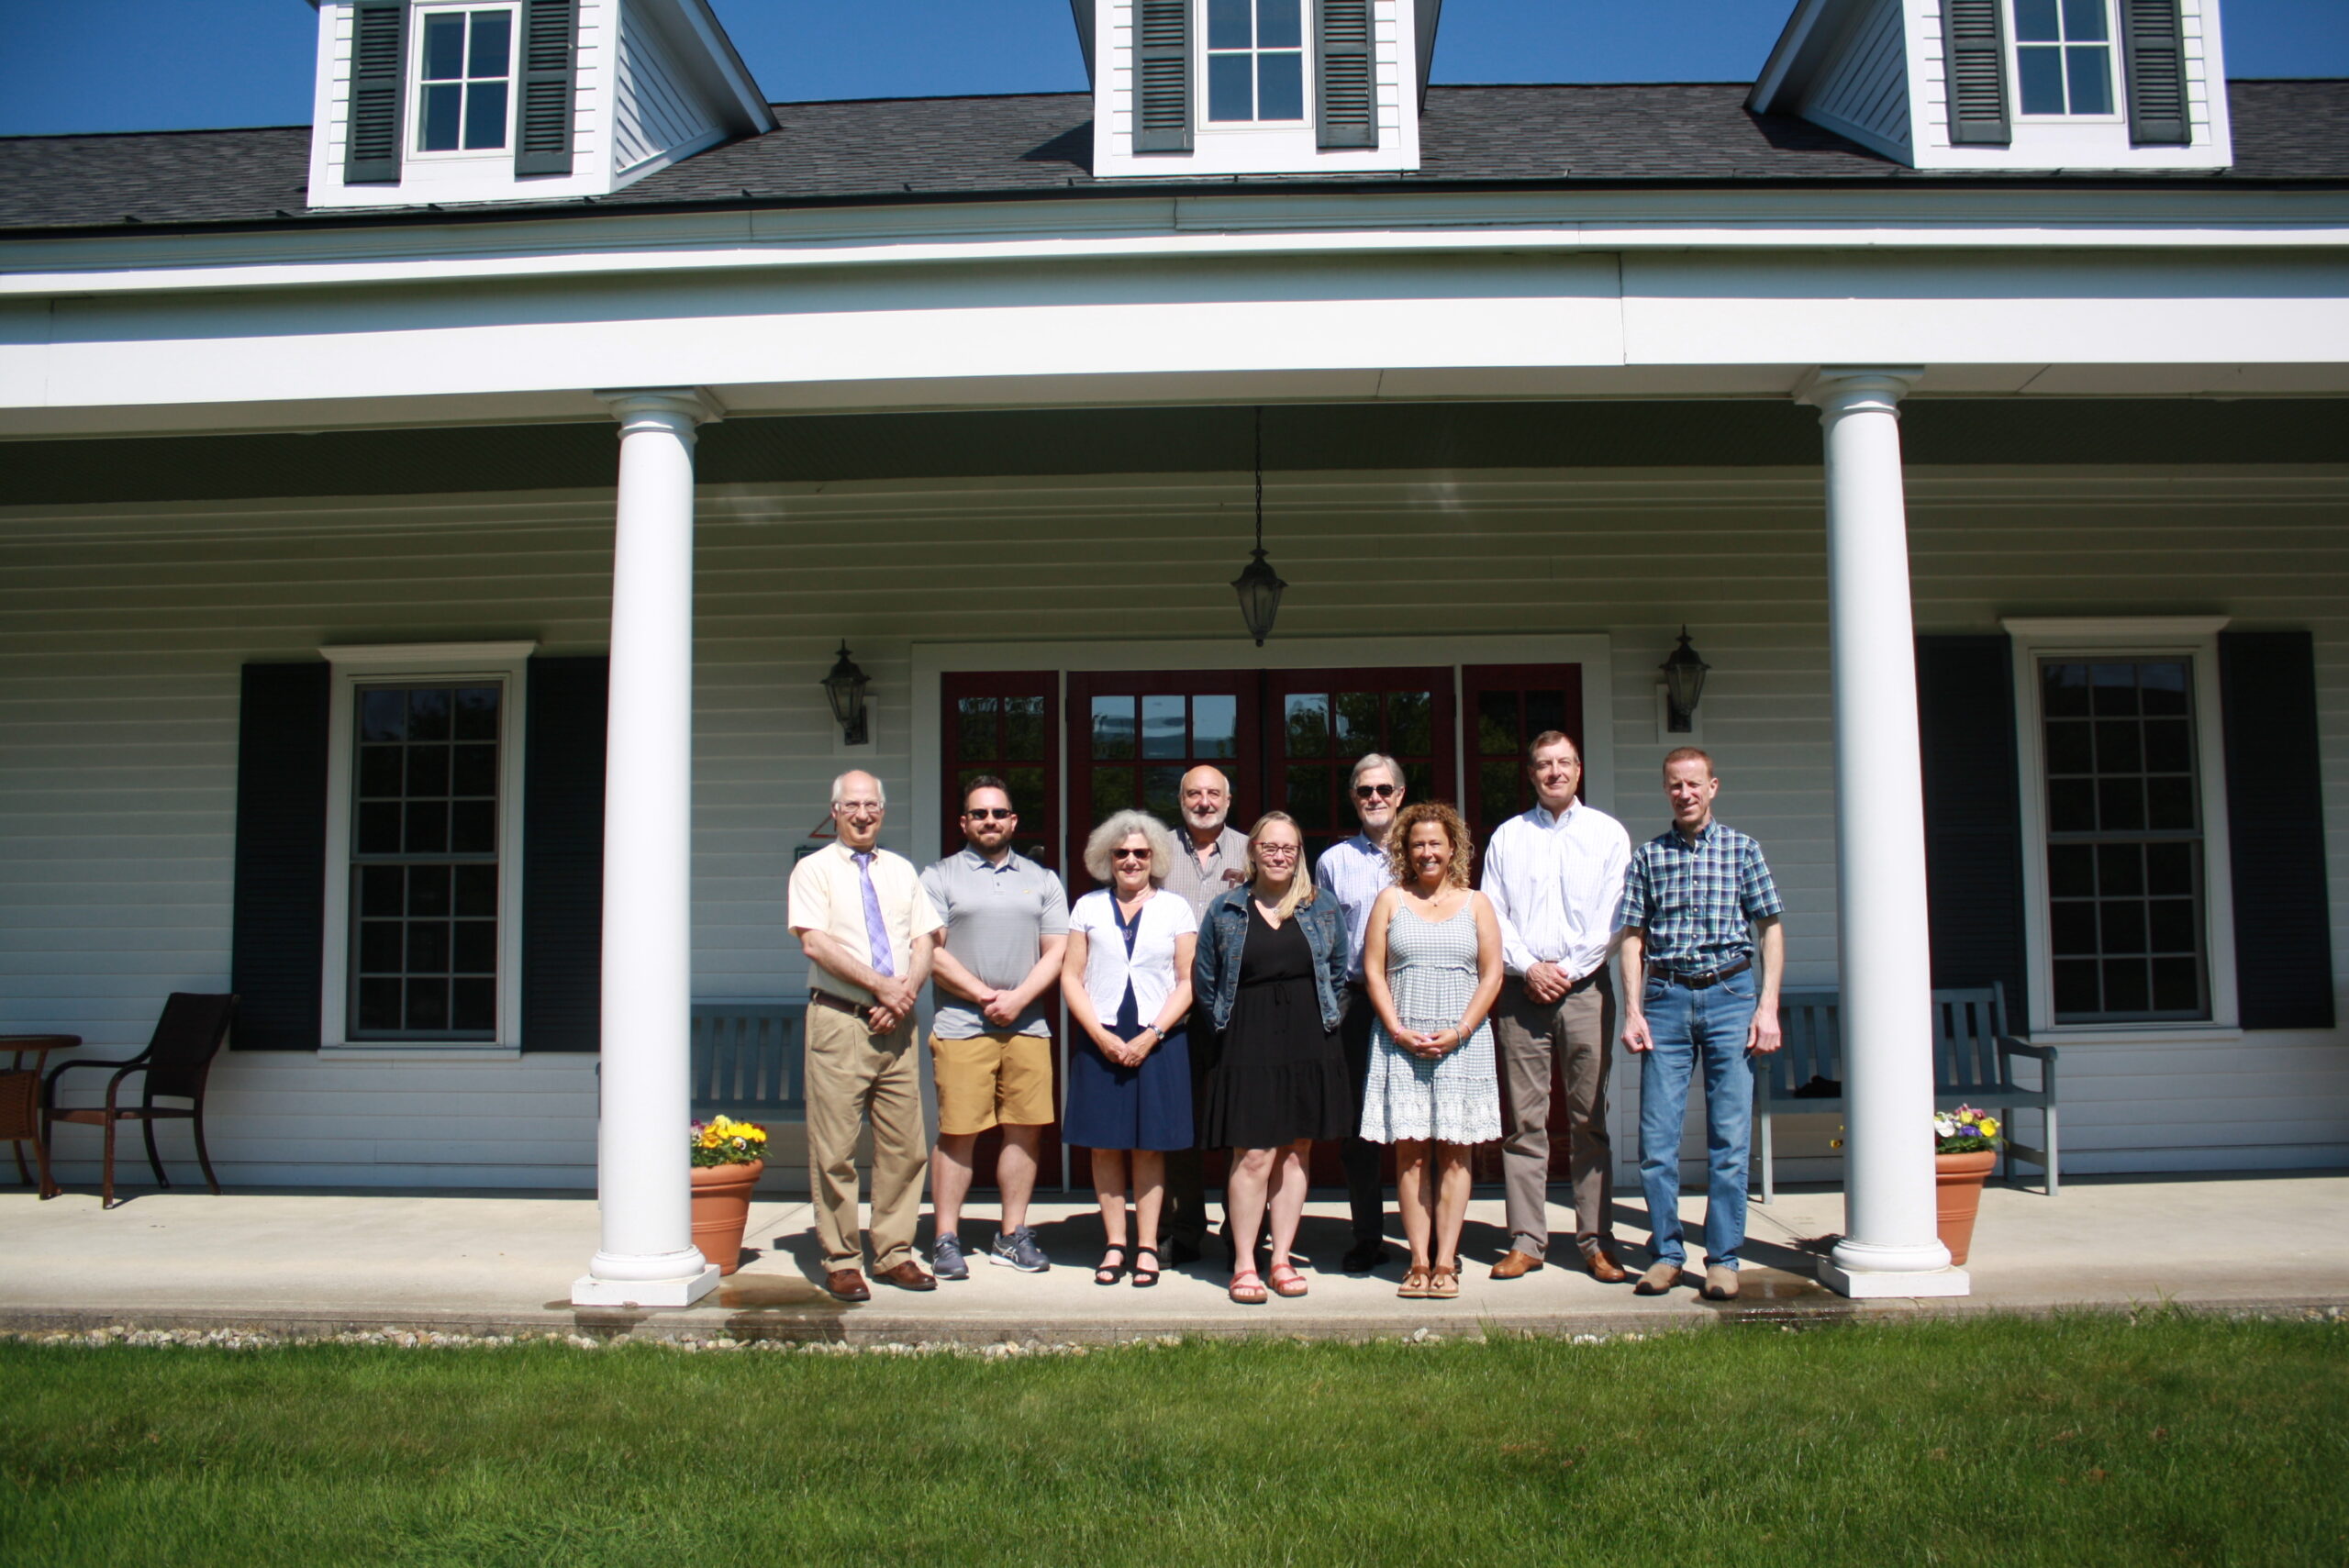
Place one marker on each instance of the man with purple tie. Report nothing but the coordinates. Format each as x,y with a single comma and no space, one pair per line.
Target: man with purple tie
867,929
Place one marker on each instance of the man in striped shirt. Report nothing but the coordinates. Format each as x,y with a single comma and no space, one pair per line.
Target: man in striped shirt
1693,902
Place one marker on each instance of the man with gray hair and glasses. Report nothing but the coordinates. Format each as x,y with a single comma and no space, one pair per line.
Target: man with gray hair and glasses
1354,874
867,929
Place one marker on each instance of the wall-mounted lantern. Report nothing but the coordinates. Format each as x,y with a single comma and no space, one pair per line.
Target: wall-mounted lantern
1683,681
844,688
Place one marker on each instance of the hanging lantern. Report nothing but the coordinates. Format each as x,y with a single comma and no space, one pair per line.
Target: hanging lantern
1258,585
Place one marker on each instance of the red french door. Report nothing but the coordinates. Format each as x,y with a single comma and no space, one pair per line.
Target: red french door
1133,736
1506,706
1322,721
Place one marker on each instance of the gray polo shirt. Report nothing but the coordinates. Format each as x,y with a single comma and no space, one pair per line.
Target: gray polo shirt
997,920
1199,885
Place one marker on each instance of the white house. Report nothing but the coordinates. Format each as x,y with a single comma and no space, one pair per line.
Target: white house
422,535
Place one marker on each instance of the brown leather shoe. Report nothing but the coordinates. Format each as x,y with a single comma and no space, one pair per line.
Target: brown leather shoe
1599,1259
907,1275
1515,1263
848,1285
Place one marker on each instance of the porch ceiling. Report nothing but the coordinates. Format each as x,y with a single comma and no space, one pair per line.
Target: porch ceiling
1298,438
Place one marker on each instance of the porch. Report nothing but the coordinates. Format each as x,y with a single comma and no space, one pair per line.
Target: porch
320,1262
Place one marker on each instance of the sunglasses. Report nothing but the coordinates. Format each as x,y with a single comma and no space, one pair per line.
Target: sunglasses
1129,854
990,813
1367,791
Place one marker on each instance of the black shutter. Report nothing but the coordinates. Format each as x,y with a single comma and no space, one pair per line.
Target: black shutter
371,152
563,855
277,928
1974,849
1974,40
542,128
2152,39
2276,830
1348,101
1163,76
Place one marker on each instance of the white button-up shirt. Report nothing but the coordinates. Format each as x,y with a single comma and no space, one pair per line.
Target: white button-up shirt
1354,874
1556,882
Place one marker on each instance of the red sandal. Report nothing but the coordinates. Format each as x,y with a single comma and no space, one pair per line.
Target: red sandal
1247,1289
1287,1281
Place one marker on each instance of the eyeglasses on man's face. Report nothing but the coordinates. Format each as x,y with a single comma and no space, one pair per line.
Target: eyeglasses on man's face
855,807
990,813
1373,791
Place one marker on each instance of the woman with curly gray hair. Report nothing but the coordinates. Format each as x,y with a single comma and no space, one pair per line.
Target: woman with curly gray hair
1126,977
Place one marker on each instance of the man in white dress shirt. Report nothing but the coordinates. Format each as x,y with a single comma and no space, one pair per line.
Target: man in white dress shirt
1354,874
1555,876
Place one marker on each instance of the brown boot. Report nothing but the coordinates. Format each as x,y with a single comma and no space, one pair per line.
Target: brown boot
1660,1276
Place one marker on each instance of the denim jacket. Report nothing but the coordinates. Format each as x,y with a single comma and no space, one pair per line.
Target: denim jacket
1223,930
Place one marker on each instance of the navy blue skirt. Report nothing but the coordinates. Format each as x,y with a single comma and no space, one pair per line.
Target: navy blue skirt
1111,1106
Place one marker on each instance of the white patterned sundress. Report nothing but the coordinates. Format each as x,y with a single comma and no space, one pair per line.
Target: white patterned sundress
1431,970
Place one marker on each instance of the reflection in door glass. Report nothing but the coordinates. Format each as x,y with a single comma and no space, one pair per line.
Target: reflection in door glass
1162,727
1309,724
1113,726
1113,790
1410,723
1023,729
1309,798
977,718
1161,794
1543,711
1215,725
1496,733
1357,722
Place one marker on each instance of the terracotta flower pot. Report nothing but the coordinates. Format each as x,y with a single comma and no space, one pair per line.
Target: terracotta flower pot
1960,1178
721,1210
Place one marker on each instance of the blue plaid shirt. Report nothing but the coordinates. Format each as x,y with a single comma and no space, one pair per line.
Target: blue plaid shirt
1698,899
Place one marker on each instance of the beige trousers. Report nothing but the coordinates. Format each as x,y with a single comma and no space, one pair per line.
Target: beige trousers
1576,1034
854,1074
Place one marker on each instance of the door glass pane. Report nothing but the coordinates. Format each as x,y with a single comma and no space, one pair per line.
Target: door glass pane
1410,723
1113,790
1308,798
1309,724
1113,726
1215,725
1161,794
1543,711
1496,731
1023,729
1162,726
975,730
1497,782
1357,716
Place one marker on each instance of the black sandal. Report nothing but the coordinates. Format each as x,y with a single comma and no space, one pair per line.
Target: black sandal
1144,1278
1109,1273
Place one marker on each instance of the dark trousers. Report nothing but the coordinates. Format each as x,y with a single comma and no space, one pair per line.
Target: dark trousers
1185,1216
1366,1194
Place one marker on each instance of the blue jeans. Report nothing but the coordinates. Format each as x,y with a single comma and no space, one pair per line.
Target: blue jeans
1691,1026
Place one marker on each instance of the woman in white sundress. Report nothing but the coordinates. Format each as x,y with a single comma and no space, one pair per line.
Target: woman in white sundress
1432,960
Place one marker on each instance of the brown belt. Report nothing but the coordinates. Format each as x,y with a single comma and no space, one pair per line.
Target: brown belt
838,1005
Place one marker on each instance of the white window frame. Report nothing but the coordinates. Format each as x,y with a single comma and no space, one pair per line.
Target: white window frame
2191,638
374,664
2120,76
1310,63
414,118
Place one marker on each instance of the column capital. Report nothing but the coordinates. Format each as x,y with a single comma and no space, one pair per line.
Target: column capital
1851,389
680,407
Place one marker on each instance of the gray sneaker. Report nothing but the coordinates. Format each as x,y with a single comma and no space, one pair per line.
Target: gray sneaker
946,1259
1017,1250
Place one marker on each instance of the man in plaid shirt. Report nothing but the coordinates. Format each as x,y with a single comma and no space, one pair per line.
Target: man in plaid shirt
1694,901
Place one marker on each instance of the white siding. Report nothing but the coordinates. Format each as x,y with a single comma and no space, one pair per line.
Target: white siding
122,631
1863,88
655,115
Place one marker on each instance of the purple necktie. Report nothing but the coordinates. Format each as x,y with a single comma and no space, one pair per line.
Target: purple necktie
876,930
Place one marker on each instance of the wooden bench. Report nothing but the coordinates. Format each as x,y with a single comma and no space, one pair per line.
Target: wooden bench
749,1060
1974,1060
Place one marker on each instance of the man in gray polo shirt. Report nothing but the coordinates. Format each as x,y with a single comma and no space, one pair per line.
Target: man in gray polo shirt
1005,927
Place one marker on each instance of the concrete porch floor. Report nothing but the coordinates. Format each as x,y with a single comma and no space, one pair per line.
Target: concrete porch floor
325,1262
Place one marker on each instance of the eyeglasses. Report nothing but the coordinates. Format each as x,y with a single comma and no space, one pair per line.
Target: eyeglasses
1278,852
1129,854
990,813
1365,791
848,808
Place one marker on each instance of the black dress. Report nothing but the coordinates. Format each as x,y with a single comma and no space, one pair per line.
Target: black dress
1278,1076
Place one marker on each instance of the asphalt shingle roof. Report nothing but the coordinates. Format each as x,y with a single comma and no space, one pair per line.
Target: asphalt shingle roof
1696,133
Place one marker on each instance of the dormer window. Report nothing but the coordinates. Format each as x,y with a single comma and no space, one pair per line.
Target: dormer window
464,79
1255,60
2063,57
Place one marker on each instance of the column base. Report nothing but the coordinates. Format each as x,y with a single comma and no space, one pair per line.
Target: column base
1859,1282
589,1291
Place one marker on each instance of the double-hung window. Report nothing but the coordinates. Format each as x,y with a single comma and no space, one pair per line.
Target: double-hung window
463,88
2064,58
1256,57
424,827
2126,855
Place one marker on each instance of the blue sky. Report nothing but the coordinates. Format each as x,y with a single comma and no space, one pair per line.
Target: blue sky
90,65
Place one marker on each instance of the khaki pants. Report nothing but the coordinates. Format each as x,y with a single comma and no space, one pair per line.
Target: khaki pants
854,1074
1576,1033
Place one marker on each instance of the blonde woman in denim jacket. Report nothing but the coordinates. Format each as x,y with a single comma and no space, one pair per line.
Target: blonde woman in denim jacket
1271,971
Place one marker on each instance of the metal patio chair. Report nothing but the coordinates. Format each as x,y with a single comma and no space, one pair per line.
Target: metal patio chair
176,1063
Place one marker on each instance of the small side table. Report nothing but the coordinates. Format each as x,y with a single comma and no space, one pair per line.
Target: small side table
20,1098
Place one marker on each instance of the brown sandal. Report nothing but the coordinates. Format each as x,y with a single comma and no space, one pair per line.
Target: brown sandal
1415,1283
1444,1284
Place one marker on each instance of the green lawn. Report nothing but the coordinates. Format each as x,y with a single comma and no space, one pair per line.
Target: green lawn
2087,1439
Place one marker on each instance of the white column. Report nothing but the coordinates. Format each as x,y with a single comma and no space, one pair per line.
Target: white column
1883,946
644,1184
